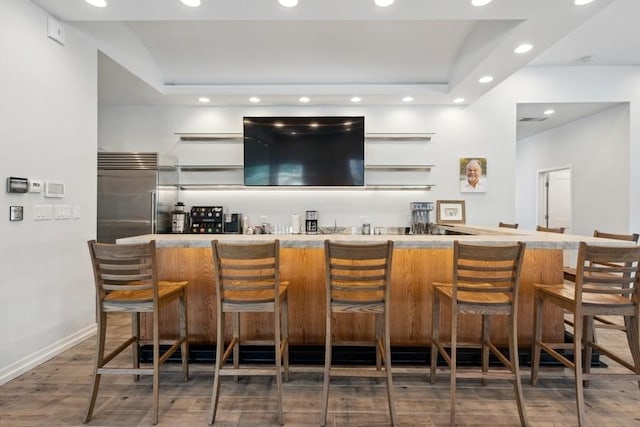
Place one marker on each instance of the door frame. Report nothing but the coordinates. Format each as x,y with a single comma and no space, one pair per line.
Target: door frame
541,194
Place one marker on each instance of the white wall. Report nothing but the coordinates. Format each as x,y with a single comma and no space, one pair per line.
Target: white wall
48,111
459,131
596,148
590,84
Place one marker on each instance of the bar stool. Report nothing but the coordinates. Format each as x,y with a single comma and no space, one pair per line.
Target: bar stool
486,281
358,279
606,284
559,230
126,280
247,280
570,275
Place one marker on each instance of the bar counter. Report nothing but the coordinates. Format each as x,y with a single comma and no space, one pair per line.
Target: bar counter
418,261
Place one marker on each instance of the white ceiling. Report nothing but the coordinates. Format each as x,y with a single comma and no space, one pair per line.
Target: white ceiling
160,52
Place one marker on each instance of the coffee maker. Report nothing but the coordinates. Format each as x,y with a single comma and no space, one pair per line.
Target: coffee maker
420,223
311,222
179,219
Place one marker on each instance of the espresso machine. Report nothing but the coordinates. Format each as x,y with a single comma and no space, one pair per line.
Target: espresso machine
420,223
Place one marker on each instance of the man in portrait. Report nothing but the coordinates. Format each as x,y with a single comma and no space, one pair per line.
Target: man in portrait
472,178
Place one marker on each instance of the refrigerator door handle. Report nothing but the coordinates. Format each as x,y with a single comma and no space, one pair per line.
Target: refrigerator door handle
154,212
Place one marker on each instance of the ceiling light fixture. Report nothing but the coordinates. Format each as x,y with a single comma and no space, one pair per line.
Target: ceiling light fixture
549,112
97,3
523,48
204,99
191,3
304,99
458,100
582,2
480,2
288,3
384,3
254,99
485,79
407,99
356,99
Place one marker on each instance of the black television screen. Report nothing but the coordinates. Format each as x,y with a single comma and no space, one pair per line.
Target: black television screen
304,151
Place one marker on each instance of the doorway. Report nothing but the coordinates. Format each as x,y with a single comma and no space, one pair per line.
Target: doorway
554,198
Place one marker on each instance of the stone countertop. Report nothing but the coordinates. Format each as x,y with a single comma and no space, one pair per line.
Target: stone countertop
474,235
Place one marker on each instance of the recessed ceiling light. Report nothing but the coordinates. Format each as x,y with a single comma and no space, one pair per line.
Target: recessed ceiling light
278,124
254,99
304,99
191,3
549,112
356,99
407,99
582,2
480,2
384,3
204,99
313,124
523,48
458,100
288,3
97,3
485,79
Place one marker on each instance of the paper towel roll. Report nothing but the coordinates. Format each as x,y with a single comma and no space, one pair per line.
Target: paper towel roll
295,224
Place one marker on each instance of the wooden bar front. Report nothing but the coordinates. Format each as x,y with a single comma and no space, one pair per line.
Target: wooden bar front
414,270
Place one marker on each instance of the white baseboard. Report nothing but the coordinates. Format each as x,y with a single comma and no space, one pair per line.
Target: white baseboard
31,361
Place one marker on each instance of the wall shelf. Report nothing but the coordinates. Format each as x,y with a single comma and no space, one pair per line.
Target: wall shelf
209,168
399,168
405,137
210,137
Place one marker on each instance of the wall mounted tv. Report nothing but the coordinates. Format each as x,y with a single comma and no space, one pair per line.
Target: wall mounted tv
304,151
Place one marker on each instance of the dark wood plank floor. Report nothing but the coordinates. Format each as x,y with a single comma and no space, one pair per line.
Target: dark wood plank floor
55,394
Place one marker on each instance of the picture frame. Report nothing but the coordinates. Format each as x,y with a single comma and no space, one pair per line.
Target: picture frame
473,174
450,212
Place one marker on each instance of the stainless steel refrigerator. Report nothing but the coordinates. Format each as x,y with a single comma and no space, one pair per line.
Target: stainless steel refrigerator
135,195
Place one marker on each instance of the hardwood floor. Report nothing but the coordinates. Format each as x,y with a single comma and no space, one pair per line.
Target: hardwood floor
56,393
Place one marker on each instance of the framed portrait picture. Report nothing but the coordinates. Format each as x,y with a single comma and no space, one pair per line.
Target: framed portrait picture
450,212
473,174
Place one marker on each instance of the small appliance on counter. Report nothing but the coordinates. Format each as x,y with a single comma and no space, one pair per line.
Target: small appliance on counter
179,219
232,223
207,220
311,222
420,223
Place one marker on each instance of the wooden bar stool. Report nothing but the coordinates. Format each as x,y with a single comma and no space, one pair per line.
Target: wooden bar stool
570,275
486,281
247,280
606,284
559,230
126,280
358,280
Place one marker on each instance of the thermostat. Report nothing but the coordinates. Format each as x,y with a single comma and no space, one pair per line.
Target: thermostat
17,185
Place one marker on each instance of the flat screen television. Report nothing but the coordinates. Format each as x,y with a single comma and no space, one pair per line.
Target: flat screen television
304,151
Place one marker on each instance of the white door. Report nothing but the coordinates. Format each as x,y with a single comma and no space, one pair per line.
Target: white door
555,200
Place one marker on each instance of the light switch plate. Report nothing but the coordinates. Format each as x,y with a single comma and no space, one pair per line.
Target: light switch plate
43,212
